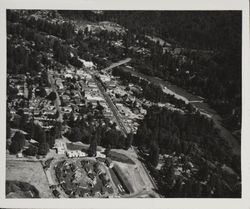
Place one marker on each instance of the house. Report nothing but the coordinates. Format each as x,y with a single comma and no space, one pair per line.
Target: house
92,177
71,154
67,109
69,76
19,155
99,154
65,98
82,154
92,84
60,147
75,153
87,64
105,78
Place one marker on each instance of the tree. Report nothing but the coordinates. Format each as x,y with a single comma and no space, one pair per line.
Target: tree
50,139
167,176
16,121
75,135
8,132
107,150
23,122
32,150
19,138
41,135
52,96
93,146
154,153
203,172
15,147
129,140
40,91
43,148
99,107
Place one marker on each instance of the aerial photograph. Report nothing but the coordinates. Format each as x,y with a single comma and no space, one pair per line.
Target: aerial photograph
123,104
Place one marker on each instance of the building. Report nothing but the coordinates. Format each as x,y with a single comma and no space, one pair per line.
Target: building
105,78
75,154
60,147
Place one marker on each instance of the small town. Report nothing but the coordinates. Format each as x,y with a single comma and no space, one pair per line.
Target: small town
99,108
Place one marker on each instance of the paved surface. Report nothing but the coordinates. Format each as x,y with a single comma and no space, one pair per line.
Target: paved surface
117,64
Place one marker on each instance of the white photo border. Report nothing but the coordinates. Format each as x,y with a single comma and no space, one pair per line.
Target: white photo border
177,203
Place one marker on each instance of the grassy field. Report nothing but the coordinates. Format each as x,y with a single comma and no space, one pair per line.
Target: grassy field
74,146
71,146
30,172
120,157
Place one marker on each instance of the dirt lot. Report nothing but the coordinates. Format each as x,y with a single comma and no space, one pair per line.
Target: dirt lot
133,175
31,172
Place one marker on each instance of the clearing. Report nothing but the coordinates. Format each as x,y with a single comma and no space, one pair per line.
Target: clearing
30,172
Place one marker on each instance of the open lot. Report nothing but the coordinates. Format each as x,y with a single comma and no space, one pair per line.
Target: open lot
79,146
30,172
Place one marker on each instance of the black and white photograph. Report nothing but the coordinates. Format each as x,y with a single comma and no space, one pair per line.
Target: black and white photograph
123,104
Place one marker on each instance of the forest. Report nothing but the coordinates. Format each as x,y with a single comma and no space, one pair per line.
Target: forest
202,55
191,138
207,65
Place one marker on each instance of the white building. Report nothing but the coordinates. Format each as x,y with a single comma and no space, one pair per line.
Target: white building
75,154
87,64
60,147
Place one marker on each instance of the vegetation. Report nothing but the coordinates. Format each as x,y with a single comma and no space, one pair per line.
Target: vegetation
18,141
116,156
182,149
192,136
21,189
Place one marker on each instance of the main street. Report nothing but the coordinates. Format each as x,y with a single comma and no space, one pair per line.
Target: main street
150,191
112,107
57,101
107,97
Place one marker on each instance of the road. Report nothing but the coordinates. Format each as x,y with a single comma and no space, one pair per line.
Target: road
57,101
112,107
124,131
107,97
122,62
